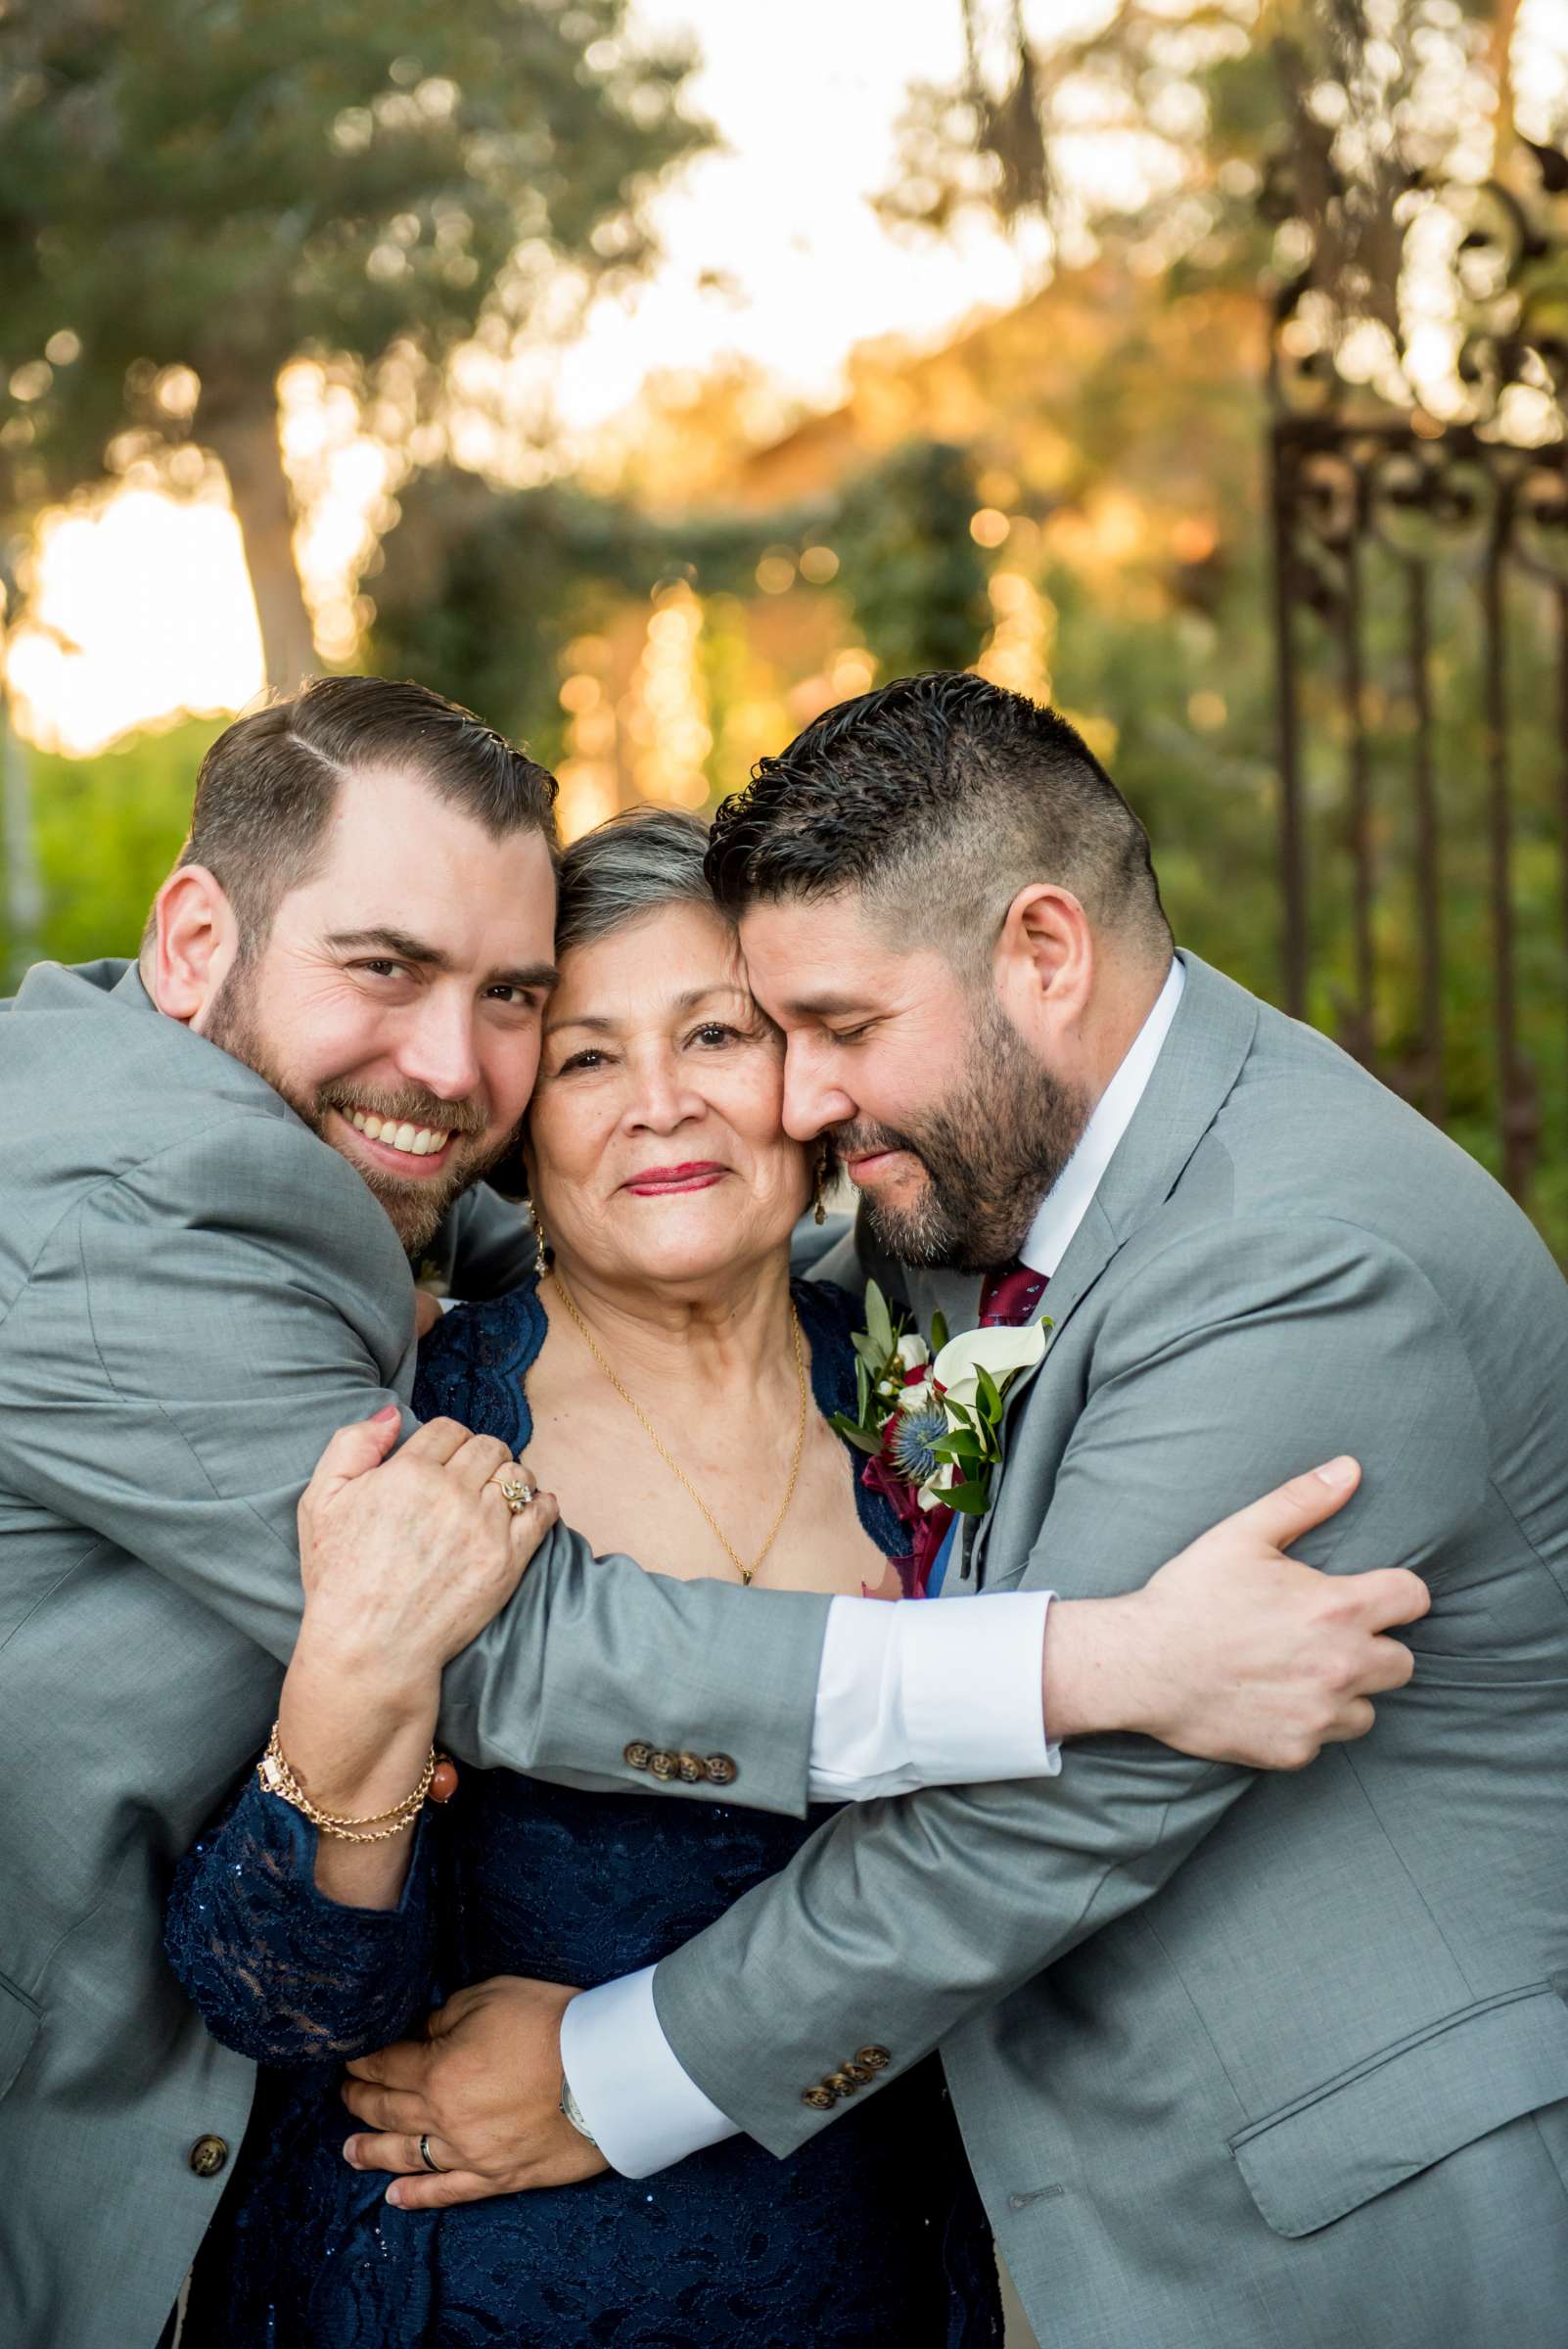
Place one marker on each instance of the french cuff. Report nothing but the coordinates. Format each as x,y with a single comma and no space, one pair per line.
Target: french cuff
973,1677
642,2109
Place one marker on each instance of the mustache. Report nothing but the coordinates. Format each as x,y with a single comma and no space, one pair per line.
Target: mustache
411,1105
861,1140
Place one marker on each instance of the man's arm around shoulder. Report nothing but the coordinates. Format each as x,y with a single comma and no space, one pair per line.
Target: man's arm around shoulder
1239,1356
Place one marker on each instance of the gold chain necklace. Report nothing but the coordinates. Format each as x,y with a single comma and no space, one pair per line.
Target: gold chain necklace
748,1574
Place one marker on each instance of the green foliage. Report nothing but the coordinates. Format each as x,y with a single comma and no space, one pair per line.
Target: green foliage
107,831
225,187
915,577
478,594
1338,105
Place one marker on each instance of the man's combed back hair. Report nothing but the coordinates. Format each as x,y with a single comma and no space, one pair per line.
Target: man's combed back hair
939,798
635,863
267,787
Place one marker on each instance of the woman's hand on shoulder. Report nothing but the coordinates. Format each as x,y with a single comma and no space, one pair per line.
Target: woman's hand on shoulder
406,1558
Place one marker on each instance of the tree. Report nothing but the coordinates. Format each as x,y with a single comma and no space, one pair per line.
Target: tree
916,575
480,594
192,195
1343,103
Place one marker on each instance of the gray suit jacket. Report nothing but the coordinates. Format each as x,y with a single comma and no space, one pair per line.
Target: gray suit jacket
1240,2061
193,1292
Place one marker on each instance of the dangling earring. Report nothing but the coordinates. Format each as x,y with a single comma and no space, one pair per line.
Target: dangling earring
820,1186
541,1258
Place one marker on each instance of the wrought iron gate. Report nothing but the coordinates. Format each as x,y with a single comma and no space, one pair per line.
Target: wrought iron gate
1421,612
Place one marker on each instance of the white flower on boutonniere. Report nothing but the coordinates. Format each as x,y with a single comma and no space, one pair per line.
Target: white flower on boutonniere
1002,1353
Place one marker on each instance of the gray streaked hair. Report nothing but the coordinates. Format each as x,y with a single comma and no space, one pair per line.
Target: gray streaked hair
633,865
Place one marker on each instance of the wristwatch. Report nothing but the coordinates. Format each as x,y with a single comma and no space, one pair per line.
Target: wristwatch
572,2111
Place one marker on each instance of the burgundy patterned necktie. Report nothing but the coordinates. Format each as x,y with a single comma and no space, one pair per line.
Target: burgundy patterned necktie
1011,1295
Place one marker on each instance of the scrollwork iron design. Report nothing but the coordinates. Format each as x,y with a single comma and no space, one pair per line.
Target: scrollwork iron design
1389,479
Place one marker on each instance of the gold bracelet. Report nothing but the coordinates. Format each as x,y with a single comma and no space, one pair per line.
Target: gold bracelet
277,1776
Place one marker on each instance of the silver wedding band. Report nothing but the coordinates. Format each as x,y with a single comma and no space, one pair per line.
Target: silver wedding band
426,2158
517,1492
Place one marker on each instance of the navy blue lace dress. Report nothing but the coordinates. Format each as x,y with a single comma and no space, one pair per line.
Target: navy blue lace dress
871,2236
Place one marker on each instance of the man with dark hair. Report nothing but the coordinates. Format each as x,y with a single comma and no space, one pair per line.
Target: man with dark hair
298,807
267,789
220,1162
1236,2060
934,802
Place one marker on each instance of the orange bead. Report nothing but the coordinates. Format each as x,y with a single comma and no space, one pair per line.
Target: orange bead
444,1785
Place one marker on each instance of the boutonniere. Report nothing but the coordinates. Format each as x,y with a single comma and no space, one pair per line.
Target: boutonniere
928,1417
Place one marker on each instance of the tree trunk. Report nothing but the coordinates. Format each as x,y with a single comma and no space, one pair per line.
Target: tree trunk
1504,19
245,437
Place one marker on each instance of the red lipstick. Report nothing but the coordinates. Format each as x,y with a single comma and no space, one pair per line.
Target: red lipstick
657,1182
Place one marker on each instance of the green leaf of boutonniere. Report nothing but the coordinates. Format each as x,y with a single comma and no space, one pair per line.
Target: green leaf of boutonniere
939,1332
960,1445
990,1402
972,1499
878,1321
859,1437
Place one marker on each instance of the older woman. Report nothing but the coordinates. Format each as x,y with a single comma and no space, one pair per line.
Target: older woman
668,1382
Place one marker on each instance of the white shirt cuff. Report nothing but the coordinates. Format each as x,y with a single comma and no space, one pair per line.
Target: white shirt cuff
642,2108
928,1694
909,1695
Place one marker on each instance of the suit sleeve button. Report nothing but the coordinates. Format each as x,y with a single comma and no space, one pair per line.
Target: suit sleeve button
662,1764
207,2155
821,2100
689,1771
875,2059
638,1755
722,1771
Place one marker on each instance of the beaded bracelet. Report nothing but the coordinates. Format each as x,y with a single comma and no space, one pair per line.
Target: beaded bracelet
277,1776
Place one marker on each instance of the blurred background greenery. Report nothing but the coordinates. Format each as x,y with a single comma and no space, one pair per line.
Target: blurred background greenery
650,375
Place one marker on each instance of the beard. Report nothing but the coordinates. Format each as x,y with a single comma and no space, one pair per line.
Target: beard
414,1207
989,1154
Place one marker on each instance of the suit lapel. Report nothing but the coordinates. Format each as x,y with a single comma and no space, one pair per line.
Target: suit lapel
1197,1069
1089,1251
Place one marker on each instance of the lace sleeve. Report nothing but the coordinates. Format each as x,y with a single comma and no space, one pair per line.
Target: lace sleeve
280,1973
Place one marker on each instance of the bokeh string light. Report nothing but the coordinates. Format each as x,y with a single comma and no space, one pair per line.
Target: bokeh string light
666,711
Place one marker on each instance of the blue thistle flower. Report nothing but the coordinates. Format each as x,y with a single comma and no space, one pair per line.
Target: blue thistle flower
913,1435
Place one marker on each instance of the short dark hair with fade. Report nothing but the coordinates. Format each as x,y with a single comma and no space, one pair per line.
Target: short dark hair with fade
268,785
939,798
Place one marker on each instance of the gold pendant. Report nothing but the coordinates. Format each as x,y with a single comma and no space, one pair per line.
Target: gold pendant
746,1576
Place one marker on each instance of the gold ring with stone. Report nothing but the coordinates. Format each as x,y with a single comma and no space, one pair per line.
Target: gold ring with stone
517,1492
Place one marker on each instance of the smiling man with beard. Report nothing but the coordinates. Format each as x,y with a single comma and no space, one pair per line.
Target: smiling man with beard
1007,1127
301,961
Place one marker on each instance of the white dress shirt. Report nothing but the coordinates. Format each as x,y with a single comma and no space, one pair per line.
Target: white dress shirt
907,1697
